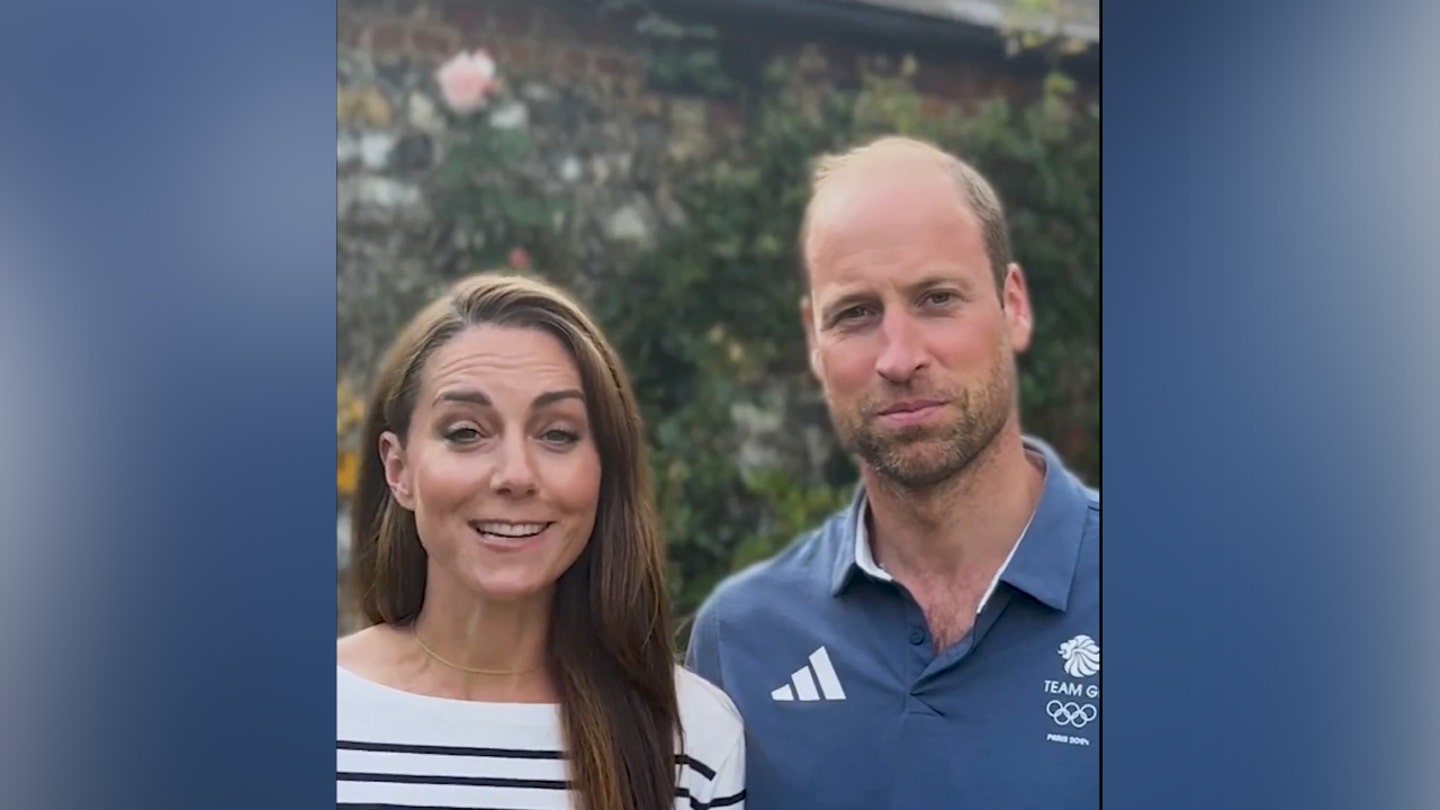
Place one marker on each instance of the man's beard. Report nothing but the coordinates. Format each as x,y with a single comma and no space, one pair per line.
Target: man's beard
920,458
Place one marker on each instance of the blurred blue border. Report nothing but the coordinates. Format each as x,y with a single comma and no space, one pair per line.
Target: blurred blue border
169,168
1265,354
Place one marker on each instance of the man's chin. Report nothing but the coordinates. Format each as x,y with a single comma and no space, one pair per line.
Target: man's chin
914,459
905,439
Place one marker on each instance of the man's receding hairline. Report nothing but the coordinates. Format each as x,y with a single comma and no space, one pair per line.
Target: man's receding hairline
890,147
853,176
976,193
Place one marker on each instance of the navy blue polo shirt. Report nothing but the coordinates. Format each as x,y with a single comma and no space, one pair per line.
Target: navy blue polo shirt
847,705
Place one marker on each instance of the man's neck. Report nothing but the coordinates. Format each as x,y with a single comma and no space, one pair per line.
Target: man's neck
972,520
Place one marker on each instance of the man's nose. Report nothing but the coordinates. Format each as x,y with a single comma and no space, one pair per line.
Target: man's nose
904,352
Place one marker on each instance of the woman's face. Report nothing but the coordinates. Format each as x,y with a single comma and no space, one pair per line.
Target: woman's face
499,464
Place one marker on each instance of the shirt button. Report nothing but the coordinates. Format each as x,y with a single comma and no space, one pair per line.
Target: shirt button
917,636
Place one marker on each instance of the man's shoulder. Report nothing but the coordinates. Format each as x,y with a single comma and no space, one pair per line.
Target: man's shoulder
1089,496
802,568
1086,587
1092,503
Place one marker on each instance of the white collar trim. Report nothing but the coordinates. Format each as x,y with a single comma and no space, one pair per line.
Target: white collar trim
865,558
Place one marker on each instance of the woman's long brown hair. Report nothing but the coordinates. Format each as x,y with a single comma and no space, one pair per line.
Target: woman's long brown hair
610,649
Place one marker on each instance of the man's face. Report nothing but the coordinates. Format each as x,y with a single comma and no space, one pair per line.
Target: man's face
907,333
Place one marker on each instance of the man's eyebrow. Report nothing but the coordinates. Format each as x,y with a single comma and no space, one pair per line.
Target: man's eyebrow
938,279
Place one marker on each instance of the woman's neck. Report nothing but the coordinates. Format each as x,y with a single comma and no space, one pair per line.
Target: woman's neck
483,649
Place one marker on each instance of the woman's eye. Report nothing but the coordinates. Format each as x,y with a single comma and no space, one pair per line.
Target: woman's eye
463,434
560,437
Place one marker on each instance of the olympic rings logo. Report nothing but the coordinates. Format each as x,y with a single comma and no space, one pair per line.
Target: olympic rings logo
1071,714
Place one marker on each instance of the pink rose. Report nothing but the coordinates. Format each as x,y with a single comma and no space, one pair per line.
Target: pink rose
467,80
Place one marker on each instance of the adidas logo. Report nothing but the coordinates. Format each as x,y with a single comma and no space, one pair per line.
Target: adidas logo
803,684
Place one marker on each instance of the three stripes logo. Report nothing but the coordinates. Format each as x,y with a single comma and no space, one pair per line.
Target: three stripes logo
814,681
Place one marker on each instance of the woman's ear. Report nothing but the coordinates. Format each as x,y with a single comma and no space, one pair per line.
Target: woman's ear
398,475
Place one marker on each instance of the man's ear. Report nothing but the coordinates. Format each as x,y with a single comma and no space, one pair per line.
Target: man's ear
807,322
1019,319
398,475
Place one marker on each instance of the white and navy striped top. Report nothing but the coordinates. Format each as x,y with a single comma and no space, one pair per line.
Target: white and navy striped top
396,750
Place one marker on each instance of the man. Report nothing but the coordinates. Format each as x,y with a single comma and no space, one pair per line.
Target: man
934,645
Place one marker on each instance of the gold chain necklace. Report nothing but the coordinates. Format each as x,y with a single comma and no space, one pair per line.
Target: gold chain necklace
470,670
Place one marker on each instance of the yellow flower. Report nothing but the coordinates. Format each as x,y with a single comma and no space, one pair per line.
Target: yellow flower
347,472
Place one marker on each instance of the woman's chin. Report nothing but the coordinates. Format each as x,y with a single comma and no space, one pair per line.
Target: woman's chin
511,589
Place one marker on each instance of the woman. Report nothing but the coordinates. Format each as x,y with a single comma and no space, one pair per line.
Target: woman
506,554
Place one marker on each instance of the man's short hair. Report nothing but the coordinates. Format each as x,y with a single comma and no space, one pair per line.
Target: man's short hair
977,190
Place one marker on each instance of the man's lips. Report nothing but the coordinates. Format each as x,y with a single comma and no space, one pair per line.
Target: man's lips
910,406
910,413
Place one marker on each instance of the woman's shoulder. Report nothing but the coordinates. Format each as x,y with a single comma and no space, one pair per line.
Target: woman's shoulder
365,651
713,741
705,710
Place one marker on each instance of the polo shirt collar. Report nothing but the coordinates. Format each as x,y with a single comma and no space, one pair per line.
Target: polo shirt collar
1041,563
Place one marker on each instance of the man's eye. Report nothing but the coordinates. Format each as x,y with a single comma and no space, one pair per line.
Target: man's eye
940,297
852,313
